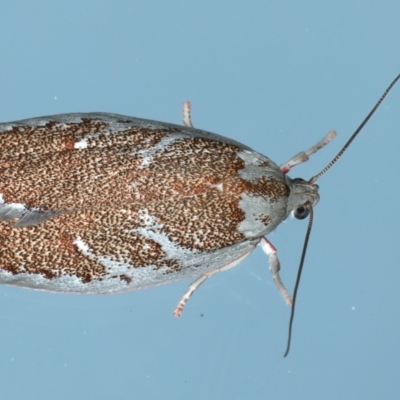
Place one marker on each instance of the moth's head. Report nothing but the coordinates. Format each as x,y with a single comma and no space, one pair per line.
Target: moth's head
302,195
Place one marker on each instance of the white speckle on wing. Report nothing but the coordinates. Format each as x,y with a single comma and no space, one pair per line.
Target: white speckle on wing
218,186
146,161
148,219
17,206
82,144
82,246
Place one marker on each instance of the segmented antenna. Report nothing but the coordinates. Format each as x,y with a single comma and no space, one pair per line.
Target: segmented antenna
311,181
357,131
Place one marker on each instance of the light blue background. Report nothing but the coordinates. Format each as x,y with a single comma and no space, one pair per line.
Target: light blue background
278,76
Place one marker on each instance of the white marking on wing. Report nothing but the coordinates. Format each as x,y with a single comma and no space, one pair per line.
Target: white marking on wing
82,246
82,144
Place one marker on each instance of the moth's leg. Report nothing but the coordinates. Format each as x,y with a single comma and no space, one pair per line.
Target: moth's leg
274,267
304,155
186,114
192,288
194,285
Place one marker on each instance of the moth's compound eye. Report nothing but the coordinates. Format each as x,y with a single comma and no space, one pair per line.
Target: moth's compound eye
301,212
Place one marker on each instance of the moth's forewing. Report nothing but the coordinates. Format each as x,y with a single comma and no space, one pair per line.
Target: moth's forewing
103,203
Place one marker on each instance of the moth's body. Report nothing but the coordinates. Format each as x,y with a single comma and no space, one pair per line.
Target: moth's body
103,203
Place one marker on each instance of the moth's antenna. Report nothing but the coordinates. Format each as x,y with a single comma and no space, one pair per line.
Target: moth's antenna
311,181
344,148
296,286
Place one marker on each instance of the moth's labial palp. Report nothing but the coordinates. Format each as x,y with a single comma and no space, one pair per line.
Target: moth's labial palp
303,156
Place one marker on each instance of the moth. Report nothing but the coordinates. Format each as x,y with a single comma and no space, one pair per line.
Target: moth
105,203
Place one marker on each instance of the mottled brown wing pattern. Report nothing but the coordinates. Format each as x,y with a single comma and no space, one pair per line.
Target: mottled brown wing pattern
100,204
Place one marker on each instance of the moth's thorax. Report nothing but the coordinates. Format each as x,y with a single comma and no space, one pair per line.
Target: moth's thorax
301,192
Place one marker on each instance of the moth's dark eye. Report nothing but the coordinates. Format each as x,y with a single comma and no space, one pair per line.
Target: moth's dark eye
301,212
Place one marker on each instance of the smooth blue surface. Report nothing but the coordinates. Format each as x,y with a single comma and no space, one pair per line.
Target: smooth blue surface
276,76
